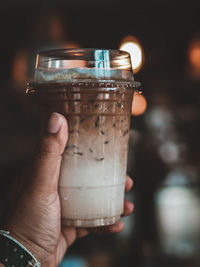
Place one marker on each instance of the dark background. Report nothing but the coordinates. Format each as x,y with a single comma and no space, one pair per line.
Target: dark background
164,144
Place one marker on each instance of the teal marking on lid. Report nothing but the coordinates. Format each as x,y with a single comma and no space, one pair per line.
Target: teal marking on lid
102,59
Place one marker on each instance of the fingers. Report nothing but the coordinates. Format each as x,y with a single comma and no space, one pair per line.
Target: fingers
129,183
71,234
47,162
110,229
68,236
82,232
128,208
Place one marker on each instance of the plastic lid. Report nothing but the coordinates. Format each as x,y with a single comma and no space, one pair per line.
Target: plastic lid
75,64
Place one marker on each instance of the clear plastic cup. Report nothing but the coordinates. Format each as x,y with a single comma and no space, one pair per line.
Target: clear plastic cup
93,89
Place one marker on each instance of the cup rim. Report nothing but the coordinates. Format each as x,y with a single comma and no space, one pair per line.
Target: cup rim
80,53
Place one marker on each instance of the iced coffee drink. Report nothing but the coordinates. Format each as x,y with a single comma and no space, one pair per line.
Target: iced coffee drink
93,89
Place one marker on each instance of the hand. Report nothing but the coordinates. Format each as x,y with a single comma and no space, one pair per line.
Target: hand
35,218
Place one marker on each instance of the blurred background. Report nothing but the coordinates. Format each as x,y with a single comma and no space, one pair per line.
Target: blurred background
163,38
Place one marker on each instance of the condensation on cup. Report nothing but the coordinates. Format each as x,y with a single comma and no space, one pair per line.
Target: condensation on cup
93,89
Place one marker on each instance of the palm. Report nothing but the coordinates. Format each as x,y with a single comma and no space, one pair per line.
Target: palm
35,218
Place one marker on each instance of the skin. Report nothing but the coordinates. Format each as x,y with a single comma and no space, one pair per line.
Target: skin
35,219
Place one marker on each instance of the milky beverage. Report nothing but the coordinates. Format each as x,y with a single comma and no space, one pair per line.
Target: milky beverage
93,168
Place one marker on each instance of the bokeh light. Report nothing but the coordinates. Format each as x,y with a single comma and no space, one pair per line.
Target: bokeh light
194,54
19,72
71,44
139,104
177,212
131,45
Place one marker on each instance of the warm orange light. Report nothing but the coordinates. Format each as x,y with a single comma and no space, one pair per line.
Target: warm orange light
194,54
139,104
20,68
56,27
131,45
71,44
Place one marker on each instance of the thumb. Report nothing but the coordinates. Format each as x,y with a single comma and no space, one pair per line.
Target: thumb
46,167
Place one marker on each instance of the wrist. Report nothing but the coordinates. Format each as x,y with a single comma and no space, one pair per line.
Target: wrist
13,253
37,251
22,246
